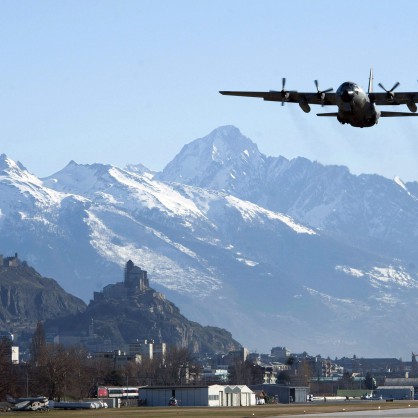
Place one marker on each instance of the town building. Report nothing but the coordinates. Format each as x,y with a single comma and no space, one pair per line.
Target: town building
214,375
14,349
148,349
15,354
375,366
271,370
119,358
238,355
280,353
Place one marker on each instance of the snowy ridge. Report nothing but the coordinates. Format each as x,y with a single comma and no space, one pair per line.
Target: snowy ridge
402,185
121,188
17,177
383,276
165,270
253,213
350,307
153,193
249,263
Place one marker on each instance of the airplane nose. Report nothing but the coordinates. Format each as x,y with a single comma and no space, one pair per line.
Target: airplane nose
347,96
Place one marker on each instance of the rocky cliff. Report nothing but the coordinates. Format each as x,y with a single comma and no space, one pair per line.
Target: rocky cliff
26,297
121,318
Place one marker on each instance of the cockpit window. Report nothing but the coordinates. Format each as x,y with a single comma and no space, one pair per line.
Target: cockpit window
348,85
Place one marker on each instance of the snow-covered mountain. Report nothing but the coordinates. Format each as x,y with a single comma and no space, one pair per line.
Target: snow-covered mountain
278,252
370,211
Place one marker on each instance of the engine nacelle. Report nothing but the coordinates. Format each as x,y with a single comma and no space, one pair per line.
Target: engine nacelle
412,106
304,105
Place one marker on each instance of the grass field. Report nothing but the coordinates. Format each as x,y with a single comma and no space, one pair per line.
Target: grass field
232,412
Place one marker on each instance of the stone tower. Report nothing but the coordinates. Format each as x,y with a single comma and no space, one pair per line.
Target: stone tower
135,277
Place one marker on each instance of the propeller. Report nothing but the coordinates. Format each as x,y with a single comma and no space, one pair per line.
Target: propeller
285,94
321,94
390,93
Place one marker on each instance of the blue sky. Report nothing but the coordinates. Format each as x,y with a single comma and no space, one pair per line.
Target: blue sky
133,81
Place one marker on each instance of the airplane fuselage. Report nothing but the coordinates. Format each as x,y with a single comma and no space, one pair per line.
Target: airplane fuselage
354,106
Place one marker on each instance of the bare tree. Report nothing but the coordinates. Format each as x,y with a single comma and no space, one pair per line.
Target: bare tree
174,368
304,373
146,371
8,372
53,369
245,373
38,344
78,378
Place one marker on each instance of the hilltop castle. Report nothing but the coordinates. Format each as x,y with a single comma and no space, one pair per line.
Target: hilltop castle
135,282
9,261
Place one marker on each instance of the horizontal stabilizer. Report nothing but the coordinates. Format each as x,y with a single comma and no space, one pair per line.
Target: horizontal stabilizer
335,114
250,93
385,114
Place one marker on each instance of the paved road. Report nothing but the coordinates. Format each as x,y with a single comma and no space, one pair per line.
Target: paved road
405,412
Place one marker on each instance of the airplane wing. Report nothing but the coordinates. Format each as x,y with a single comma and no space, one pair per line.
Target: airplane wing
287,96
394,99
21,406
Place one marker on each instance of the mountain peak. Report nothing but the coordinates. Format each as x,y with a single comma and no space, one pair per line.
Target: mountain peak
216,160
231,137
77,178
140,169
8,165
226,131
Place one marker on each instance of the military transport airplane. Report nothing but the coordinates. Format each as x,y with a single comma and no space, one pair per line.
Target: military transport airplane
38,403
355,106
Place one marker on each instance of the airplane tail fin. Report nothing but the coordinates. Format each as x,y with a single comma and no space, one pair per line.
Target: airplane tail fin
370,90
385,114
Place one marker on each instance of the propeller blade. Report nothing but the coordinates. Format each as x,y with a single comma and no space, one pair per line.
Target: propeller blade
395,85
323,91
389,93
391,90
321,94
285,94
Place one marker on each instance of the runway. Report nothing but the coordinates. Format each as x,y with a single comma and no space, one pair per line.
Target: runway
404,412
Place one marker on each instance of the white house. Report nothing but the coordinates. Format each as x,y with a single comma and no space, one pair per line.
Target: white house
230,395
